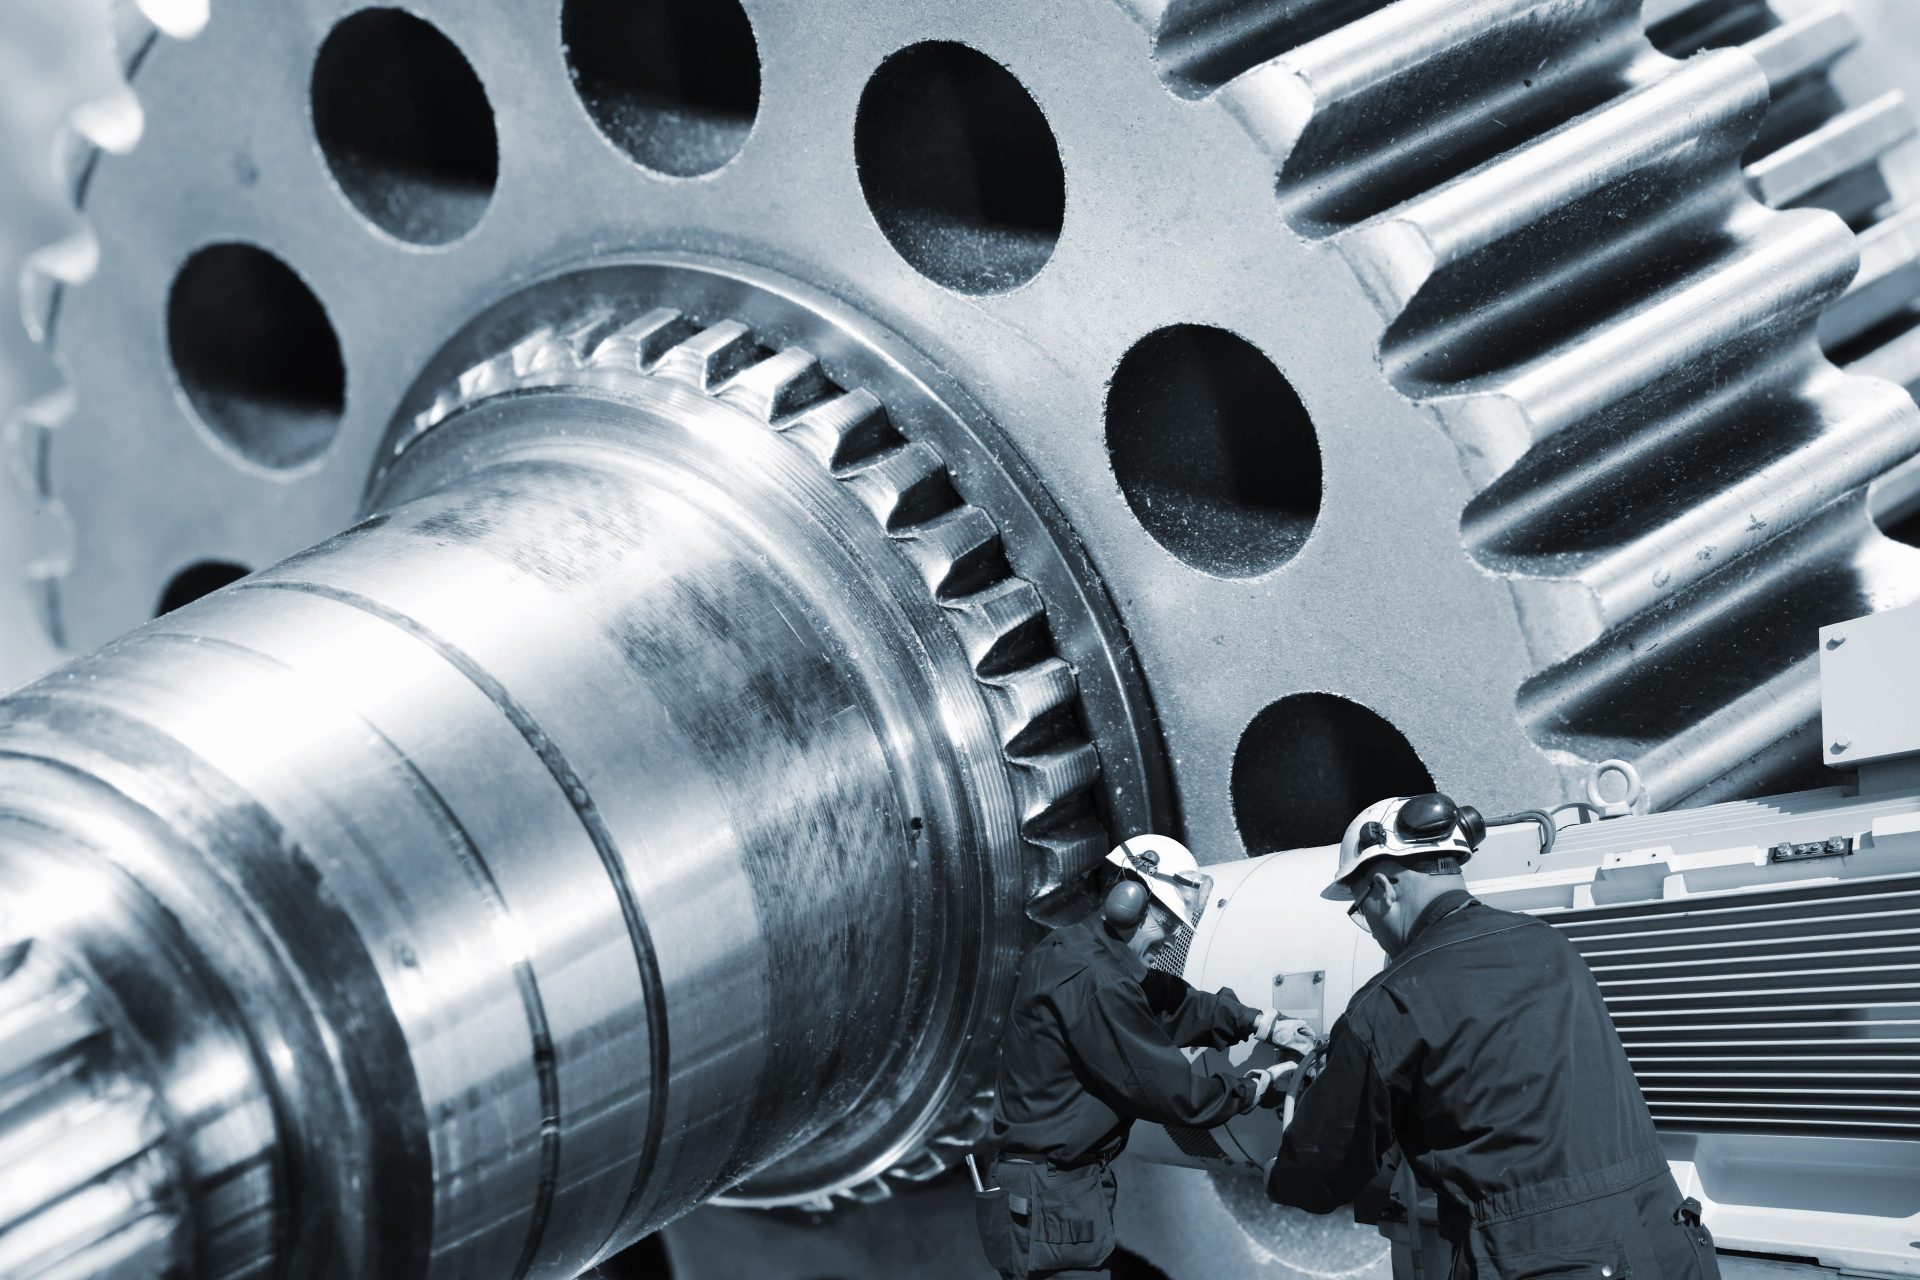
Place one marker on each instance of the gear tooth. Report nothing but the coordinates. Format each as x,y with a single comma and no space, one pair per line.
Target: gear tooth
1657,12
1849,142
1350,116
1616,570
1897,361
1001,626
709,357
1050,780
52,269
50,529
923,1166
1198,47
956,552
545,350
638,343
957,1138
584,336
112,123
902,486
1029,700
1058,863
1588,179
485,379
141,19
840,430
39,293
872,1191
779,386
1804,46
1888,282
1784,269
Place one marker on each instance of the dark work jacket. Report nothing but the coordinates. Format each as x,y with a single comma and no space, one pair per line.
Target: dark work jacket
1485,1050
1093,1044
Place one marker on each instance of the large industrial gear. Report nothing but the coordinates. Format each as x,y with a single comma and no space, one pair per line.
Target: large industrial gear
1375,394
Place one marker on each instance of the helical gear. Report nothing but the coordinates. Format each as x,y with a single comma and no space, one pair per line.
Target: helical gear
1607,283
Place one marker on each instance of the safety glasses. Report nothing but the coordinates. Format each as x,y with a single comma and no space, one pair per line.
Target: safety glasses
1353,911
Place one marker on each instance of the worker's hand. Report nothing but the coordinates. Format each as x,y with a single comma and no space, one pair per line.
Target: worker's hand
1283,1033
1270,1083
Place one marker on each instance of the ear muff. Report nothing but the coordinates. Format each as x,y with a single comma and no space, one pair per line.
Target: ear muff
1435,817
1473,825
1428,817
1126,904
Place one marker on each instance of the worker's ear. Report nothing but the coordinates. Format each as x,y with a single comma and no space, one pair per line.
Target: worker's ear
1388,891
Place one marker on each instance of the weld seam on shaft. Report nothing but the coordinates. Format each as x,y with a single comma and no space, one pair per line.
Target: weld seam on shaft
563,773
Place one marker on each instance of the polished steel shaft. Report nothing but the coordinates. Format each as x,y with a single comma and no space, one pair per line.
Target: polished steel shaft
611,820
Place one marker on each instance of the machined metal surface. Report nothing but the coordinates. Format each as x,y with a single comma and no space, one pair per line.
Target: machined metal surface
644,803
1370,395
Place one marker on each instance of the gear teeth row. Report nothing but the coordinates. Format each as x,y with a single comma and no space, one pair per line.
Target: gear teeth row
101,1201
998,617
1407,95
109,125
1817,150
1568,238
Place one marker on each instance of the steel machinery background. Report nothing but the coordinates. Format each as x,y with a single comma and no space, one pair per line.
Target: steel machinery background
810,473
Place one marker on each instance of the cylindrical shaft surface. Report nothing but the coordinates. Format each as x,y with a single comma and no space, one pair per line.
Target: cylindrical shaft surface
561,848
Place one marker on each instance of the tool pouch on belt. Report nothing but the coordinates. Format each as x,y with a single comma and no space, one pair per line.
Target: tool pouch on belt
990,1215
1070,1219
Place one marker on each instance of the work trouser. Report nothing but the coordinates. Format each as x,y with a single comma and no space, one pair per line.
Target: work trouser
1059,1222
1648,1231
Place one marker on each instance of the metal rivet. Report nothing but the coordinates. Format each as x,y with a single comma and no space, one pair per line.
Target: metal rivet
1841,744
1837,639
1606,1271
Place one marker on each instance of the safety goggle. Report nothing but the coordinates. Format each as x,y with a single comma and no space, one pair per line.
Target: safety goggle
1353,910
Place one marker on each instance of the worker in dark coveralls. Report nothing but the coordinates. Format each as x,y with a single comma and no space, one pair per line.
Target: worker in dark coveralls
1093,1044
1484,1050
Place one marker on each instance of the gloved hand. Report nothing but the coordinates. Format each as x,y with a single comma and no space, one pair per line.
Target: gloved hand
1271,1083
1283,1033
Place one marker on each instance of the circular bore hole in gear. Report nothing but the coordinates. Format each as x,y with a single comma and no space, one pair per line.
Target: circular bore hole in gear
960,168
1309,762
405,126
256,355
673,83
1213,450
201,578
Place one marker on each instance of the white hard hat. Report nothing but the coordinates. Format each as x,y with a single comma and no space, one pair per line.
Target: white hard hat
1169,871
1406,827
